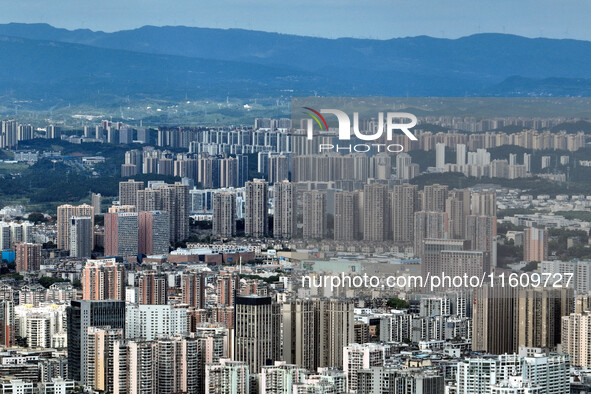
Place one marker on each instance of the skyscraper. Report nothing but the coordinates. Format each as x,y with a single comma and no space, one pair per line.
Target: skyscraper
347,216
228,172
255,210
100,370
535,244
173,199
258,337
434,197
224,215
153,289
482,232
299,324
81,234
285,215
440,155
494,319
227,377
84,314
314,226
429,225
457,207
27,257
376,213
96,200
484,203
334,329
64,214
193,289
404,203
103,279
153,232
278,168
121,234
128,191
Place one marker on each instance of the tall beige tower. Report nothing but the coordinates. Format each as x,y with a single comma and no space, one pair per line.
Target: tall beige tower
64,214
314,215
224,215
347,216
403,204
285,215
255,211
376,213
128,192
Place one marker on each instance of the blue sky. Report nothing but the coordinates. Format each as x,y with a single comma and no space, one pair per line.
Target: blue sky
325,18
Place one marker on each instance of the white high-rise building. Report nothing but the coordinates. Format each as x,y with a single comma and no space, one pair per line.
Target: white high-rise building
361,356
227,377
461,154
440,155
548,373
153,321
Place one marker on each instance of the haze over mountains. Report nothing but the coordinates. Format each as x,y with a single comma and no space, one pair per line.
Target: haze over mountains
40,62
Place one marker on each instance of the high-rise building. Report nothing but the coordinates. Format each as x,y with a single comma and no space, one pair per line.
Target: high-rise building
484,203
153,232
258,337
226,287
410,380
347,216
242,169
457,207
494,319
405,169
575,331
224,215
539,314
299,333
103,279
285,215
277,168
357,357
227,377
64,214
334,329
8,134
149,322
128,191
193,289
153,288
428,225
99,367
482,233
7,323
403,204
535,244
81,234
376,213
281,377
228,172
96,201
461,155
255,210
121,234
440,155
173,199
27,257
434,197
314,223
84,314
510,373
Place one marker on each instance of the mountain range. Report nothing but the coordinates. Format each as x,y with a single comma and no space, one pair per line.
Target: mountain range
48,65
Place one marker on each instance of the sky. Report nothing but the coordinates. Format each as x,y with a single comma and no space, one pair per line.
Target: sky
381,19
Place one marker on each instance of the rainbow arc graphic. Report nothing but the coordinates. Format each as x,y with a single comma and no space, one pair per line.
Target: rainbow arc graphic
317,117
